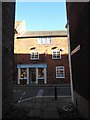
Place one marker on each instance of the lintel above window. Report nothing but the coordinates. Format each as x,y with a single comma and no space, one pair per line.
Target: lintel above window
32,48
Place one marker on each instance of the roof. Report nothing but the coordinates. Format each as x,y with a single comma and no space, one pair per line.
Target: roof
17,23
58,33
20,27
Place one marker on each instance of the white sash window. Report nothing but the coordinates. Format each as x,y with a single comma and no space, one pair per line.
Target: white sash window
60,72
56,54
34,55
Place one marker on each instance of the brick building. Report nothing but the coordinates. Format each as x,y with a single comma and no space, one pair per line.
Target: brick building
77,15
40,56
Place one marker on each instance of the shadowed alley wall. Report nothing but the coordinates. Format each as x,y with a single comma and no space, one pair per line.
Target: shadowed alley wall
77,15
8,16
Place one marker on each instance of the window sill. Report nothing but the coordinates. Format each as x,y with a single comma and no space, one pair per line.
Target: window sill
60,77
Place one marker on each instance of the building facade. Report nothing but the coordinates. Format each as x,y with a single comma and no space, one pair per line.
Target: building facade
40,57
77,15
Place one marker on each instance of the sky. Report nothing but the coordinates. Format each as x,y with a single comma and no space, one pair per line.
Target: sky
42,16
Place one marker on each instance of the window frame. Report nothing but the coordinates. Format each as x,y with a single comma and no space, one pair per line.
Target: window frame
43,73
34,55
60,70
24,70
56,54
44,40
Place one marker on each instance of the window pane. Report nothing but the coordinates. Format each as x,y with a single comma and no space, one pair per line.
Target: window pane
23,73
46,40
40,73
61,75
34,55
56,54
61,67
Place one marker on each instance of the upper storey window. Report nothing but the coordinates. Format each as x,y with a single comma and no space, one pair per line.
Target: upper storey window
56,54
34,55
44,40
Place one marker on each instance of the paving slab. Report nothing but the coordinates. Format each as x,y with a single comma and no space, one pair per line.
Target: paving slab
50,114
50,109
37,105
35,113
44,104
52,104
25,104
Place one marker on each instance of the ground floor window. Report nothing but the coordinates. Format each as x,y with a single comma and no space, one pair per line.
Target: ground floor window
40,73
60,72
23,73
31,74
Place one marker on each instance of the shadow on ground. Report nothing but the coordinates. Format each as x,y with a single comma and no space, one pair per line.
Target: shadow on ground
43,109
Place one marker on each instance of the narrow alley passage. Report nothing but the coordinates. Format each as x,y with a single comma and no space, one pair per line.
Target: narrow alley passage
36,102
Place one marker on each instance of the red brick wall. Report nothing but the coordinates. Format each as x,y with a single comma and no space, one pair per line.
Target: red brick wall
51,66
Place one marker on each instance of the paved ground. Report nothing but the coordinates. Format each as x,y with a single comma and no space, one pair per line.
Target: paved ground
25,92
40,103
43,108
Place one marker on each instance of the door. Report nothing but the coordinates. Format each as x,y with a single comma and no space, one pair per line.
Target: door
32,75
